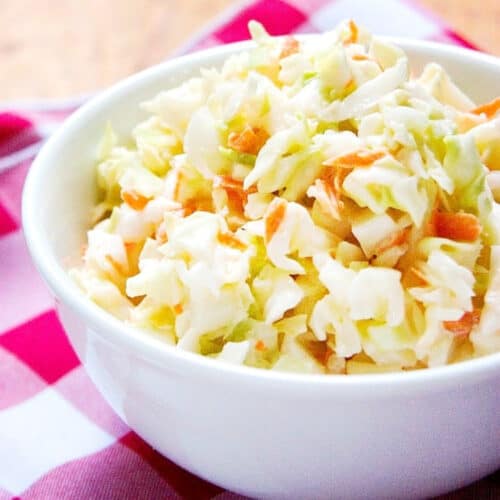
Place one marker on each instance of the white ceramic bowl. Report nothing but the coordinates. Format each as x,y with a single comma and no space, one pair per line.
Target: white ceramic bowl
259,433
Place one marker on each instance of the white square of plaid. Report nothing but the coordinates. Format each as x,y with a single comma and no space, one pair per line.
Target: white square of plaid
42,433
384,17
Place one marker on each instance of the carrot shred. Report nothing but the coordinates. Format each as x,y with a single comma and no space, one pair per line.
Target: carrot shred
274,218
226,181
361,158
360,57
250,140
353,32
231,241
329,197
455,226
335,178
420,276
189,208
490,109
339,167
463,326
194,205
134,200
236,201
260,346
395,239
290,46
237,197
178,308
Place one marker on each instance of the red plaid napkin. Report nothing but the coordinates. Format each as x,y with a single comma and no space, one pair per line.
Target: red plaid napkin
58,438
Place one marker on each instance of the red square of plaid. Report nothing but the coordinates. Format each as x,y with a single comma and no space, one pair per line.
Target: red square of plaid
42,344
279,18
7,223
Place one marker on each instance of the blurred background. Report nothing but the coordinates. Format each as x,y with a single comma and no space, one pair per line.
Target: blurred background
63,48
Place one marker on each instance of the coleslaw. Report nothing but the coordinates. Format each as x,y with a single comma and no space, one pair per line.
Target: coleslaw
307,207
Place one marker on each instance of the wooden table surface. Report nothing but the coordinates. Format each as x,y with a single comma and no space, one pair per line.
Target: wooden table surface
60,48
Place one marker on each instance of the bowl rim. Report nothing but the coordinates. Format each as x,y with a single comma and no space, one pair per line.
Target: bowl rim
152,347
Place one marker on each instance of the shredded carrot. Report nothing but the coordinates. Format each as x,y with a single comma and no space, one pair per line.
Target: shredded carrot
290,46
490,109
236,196
339,167
455,226
196,204
134,200
361,158
250,140
178,308
353,32
463,326
420,276
360,57
189,207
334,177
260,346
274,218
226,181
236,200
328,198
395,239
230,240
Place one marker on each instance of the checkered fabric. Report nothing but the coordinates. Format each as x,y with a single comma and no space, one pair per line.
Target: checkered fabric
58,437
